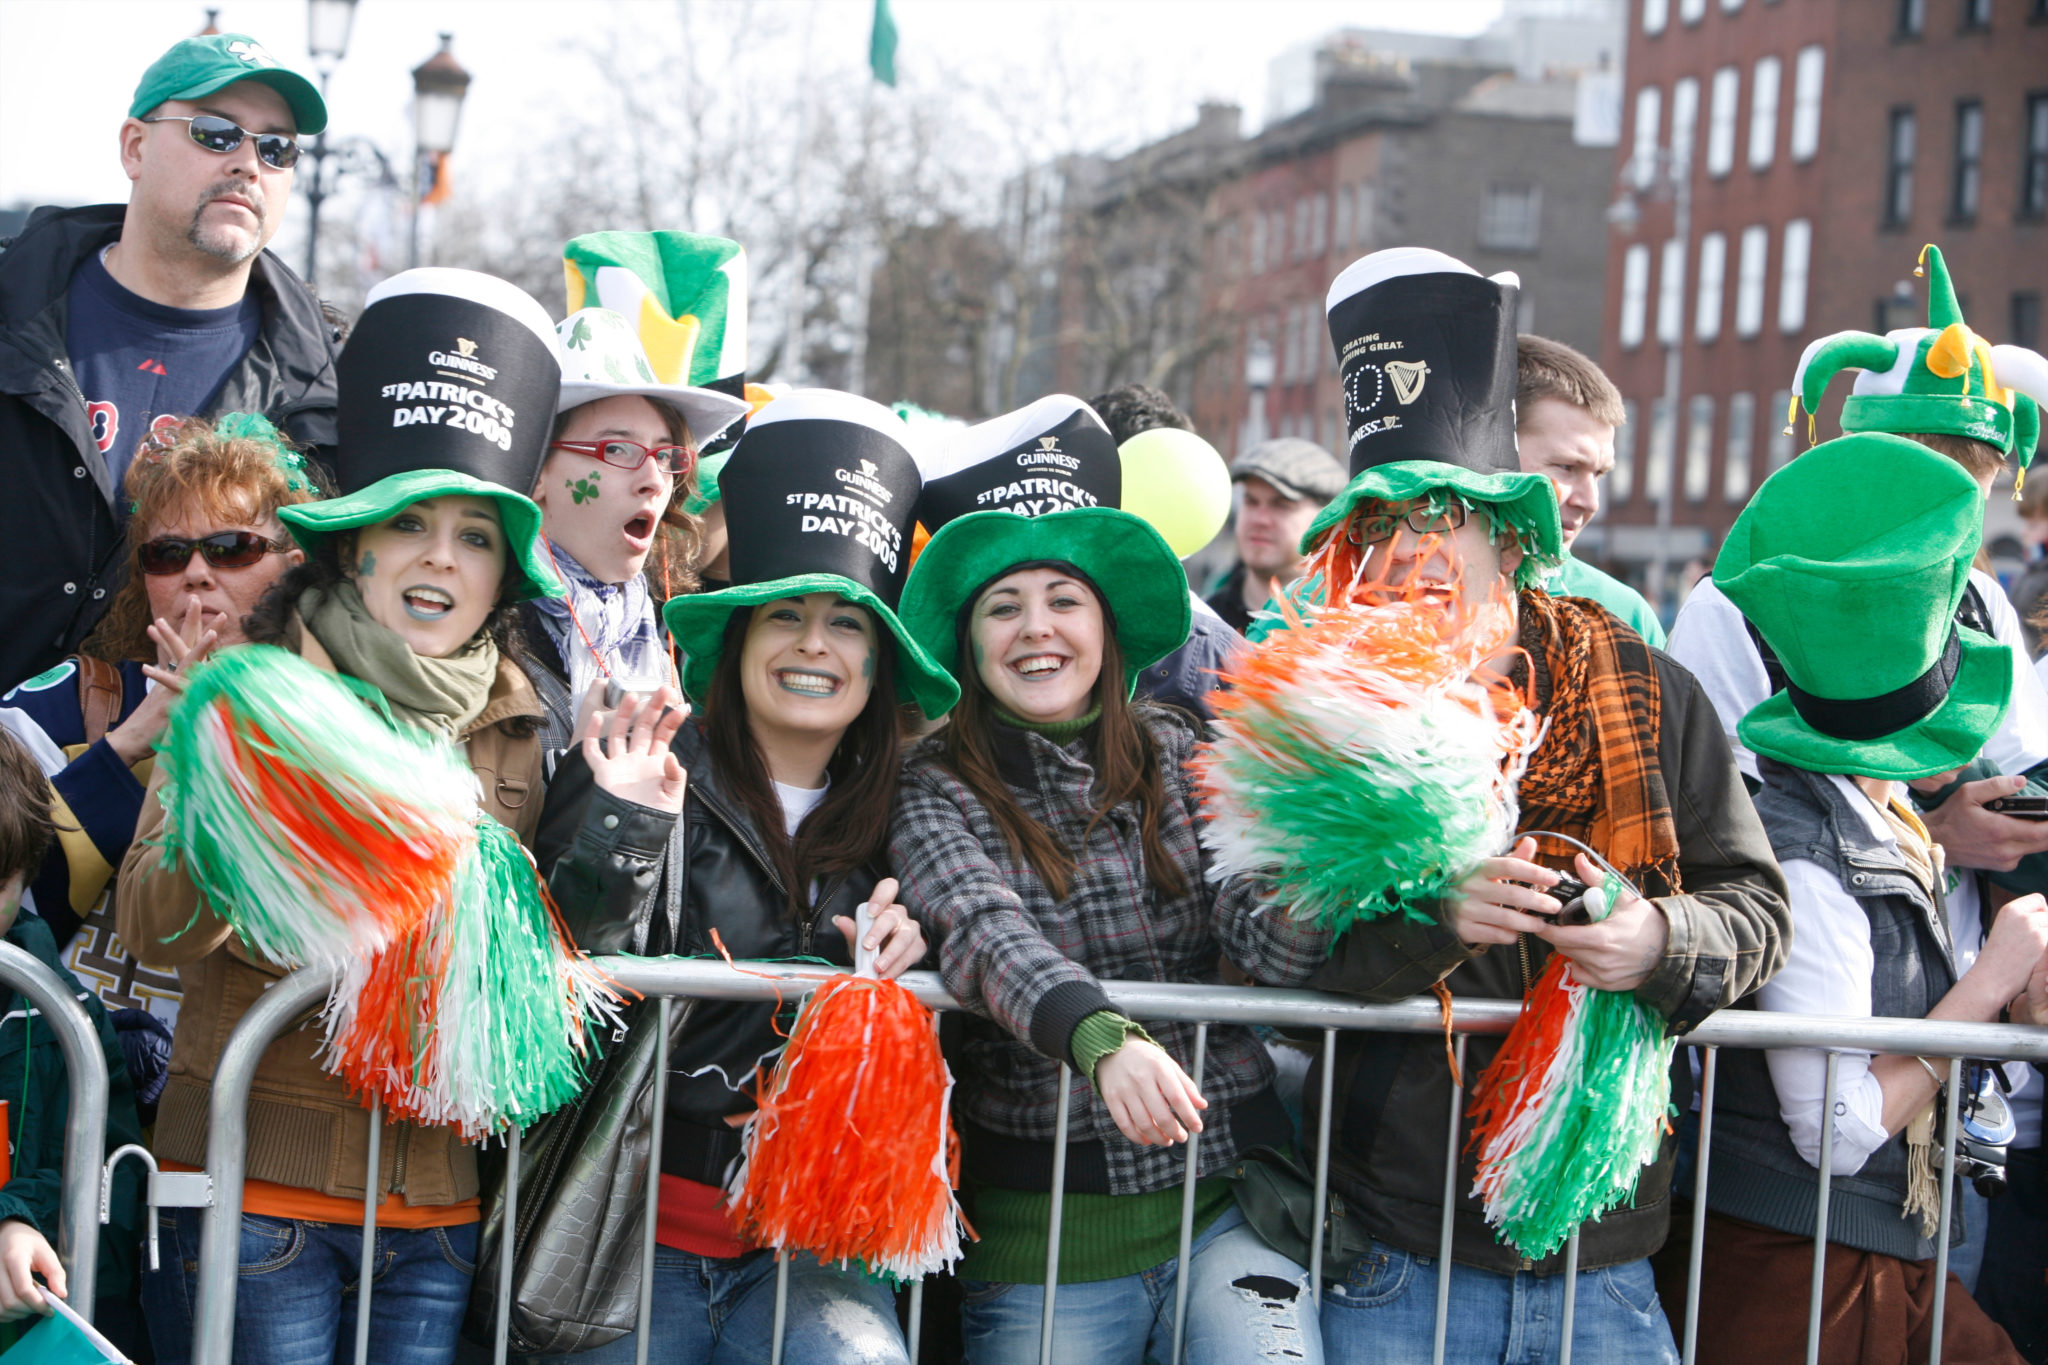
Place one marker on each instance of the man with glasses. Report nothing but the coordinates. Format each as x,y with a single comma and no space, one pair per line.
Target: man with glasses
118,320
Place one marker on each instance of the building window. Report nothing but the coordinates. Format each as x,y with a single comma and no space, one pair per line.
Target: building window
1807,76
1763,113
1898,183
1671,293
1792,270
2034,162
1649,106
1341,231
1713,274
1730,6
1912,18
1635,294
2025,327
1258,235
1699,448
1276,239
1685,115
1976,13
1749,280
1317,353
1319,227
1691,11
1364,199
1656,13
1969,179
1782,439
1510,217
1721,120
1290,345
1621,479
1657,465
1741,441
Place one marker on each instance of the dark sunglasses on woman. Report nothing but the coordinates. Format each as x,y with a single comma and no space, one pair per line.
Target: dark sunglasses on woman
677,460
222,549
221,135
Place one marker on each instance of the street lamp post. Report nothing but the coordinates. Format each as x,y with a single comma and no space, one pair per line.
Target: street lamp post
438,86
328,23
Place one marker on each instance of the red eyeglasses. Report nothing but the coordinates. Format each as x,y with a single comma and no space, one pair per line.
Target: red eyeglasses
222,549
677,460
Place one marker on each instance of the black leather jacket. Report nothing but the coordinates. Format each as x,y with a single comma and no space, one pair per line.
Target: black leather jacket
607,859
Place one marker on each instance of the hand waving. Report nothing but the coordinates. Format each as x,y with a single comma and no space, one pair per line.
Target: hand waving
628,750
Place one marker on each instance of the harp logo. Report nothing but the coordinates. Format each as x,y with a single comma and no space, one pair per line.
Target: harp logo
1408,377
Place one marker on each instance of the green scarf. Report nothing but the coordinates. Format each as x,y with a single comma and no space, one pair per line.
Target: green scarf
435,694
1058,731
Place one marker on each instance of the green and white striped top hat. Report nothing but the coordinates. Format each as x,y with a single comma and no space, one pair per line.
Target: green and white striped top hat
1941,378
603,357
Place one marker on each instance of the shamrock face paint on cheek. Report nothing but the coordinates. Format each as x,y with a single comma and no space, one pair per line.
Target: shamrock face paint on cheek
367,566
867,667
585,488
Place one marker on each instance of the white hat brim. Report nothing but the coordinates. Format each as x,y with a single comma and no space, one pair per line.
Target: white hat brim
706,410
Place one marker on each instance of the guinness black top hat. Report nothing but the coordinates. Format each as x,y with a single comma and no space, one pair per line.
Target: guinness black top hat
447,387
1426,353
1042,483
820,494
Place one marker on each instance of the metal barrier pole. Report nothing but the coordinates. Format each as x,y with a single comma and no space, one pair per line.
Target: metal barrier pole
1820,1224
644,1315
366,1265
227,1158
781,1305
1187,1206
1443,1248
85,1127
1059,1198
1319,1205
1948,1184
508,1241
1571,1295
1708,1063
916,1316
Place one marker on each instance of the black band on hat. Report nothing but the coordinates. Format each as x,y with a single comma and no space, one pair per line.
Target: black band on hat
1069,465
438,381
820,495
1870,718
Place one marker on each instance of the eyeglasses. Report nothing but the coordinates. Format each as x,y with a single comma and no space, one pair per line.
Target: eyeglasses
222,549
677,460
223,136
1375,530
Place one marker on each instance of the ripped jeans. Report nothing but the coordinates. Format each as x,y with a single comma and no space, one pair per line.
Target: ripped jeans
1246,1303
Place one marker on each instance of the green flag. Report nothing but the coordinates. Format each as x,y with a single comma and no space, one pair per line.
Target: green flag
882,45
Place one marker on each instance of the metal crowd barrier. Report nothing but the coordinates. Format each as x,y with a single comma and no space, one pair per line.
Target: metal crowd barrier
289,1000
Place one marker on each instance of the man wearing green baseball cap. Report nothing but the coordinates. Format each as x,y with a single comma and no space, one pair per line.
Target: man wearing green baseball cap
116,320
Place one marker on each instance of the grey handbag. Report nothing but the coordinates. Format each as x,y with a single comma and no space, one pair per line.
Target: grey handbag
583,1176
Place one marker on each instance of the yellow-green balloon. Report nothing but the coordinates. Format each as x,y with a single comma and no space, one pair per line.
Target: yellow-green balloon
1176,481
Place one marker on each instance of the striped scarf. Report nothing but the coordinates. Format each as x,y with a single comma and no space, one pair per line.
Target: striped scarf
1595,776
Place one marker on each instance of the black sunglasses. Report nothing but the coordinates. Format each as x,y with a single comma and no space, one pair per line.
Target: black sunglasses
221,135
223,550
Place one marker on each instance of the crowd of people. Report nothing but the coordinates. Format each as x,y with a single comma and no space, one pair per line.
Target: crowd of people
781,674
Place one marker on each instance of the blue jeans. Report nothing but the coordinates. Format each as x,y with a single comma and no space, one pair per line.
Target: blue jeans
1246,1303
1385,1311
295,1297
721,1311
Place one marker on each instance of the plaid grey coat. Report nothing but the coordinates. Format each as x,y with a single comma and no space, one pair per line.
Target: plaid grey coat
1011,954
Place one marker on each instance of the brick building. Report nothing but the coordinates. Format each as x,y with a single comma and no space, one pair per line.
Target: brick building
1820,143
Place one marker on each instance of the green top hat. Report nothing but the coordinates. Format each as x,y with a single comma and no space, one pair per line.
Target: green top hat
1036,485
1426,350
1850,562
447,387
1939,378
820,492
196,67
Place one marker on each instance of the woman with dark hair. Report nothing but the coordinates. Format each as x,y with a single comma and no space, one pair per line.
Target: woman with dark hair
790,773
1048,834
410,587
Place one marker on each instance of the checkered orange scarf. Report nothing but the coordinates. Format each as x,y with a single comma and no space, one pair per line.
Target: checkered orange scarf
1596,776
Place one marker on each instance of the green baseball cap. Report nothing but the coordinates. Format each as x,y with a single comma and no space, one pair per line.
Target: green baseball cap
197,67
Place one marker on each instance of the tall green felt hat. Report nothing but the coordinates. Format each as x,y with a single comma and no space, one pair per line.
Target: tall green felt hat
1850,562
820,494
1034,486
1426,353
446,388
1940,378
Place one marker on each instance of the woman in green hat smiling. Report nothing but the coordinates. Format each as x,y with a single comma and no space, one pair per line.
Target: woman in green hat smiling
1048,834
801,669
447,387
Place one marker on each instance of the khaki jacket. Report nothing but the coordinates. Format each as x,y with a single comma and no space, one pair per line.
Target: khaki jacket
304,1128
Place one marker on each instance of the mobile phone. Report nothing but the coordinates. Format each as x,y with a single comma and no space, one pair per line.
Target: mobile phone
1570,893
2033,808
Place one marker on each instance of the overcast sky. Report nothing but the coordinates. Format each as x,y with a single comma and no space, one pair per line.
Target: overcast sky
69,67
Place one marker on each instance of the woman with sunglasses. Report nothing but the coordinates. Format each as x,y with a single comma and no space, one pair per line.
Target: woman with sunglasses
204,545
620,467
408,589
